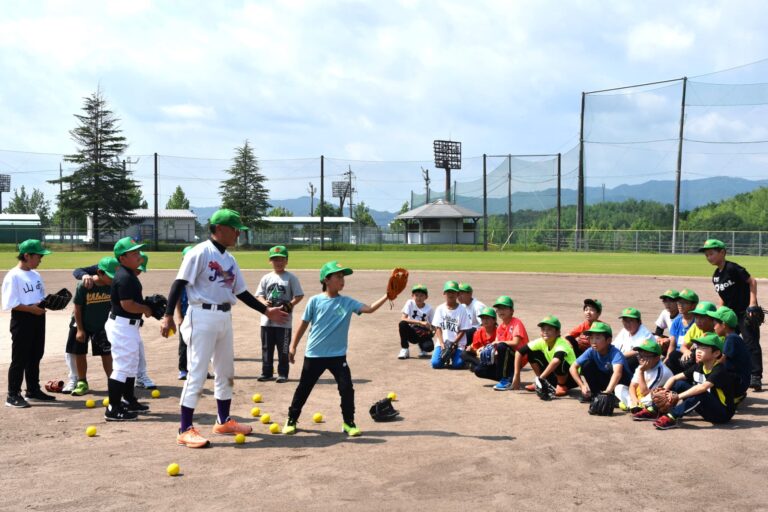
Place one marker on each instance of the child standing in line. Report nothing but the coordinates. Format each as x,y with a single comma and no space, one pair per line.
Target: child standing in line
451,323
275,289
416,324
329,314
23,290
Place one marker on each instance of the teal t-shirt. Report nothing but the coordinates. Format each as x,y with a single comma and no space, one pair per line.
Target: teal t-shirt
96,306
329,324
560,345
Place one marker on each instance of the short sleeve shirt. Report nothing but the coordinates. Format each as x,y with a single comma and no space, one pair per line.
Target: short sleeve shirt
665,320
678,329
561,348
731,284
329,318
474,308
693,332
737,358
22,288
96,304
279,287
481,338
451,322
213,276
414,312
605,362
125,286
576,331
624,341
723,382
654,377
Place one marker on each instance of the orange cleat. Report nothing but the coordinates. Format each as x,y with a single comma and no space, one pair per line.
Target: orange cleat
561,390
530,387
191,438
231,427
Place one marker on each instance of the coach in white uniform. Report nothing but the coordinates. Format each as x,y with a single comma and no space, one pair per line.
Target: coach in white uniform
213,283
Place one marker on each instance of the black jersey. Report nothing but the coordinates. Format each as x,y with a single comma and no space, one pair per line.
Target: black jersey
732,286
125,286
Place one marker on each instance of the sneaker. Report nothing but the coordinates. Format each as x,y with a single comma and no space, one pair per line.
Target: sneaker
191,438
145,382
81,388
135,406
69,387
665,422
17,401
530,387
351,429
290,427
39,395
231,427
423,354
503,385
561,390
404,354
182,375
265,378
585,398
756,384
624,407
645,415
119,414
281,379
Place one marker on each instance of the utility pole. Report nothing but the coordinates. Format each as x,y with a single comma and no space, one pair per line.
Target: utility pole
61,216
312,191
425,175
350,190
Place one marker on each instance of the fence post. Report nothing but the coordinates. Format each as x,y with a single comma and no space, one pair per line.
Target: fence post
733,242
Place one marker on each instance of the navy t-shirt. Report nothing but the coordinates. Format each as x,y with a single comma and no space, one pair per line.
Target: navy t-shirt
737,360
125,286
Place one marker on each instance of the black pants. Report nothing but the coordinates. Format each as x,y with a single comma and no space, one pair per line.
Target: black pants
503,366
537,358
597,380
675,362
275,338
311,371
27,348
751,337
410,334
182,353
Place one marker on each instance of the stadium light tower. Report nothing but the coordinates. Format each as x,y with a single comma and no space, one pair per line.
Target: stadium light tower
5,186
447,156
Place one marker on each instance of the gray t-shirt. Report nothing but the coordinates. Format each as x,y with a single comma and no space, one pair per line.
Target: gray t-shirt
276,287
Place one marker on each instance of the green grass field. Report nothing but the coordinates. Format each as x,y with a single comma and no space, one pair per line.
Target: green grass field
563,262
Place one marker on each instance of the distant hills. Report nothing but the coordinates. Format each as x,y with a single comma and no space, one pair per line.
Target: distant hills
694,193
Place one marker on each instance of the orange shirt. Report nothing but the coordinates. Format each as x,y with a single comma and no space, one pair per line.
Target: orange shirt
482,338
507,332
576,332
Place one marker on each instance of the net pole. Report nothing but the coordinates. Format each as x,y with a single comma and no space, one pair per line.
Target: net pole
155,220
678,172
580,192
485,205
322,198
509,193
557,243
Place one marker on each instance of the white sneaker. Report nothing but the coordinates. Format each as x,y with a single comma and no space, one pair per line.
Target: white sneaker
71,385
404,354
145,382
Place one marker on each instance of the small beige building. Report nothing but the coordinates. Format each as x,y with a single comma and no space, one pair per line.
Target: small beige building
173,226
440,222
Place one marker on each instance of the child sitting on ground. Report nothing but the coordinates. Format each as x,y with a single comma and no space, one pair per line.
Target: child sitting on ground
736,355
579,340
550,357
602,366
483,337
651,373
451,322
510,337
416,324
632,334
664,321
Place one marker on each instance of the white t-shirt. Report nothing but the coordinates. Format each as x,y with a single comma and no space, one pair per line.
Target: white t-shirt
452,321
22,288
473,310
213,277
279,287
625,341
655,377
664,320
412,311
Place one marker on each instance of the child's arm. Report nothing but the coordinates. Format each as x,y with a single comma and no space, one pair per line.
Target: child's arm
439,337
698,389
373,307
550,367
80,336
615,377
518,367
672,345
577,378
633,401
296,338
177,316
670,382
34,309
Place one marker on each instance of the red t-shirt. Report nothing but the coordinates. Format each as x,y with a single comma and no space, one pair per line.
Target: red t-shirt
482,338
576,332
507,332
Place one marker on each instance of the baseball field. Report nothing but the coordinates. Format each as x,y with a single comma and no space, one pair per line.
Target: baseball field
458,444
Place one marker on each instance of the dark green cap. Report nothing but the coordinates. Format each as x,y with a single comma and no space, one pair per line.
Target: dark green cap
125,245
670,294
710,339
32,246
108,265
451,286
649,345
225,217
331,268
630,313
278,251
144,261
712,243
505,301
689,295
599,328
703,308
551,321
486,311
725,315
465,287
594,303
419,288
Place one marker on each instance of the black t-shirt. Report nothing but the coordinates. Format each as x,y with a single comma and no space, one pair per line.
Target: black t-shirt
724,383
125,286
732,286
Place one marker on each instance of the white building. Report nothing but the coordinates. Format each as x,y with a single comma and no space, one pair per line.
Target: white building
173,226
440,222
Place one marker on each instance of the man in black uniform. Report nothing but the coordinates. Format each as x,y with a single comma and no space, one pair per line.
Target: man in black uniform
737,290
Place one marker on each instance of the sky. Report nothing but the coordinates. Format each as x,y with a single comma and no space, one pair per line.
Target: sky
367,84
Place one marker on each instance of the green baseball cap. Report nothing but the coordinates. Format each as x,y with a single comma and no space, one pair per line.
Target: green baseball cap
630,313
504,301
670,294
551,321
649,345
225,217
486,311
712,243
711,340
420,288
185,250
125,245
144,261
725,315
689,295
599,328
278,251
451,286
703,308
594,303
32,246
465,287
108,265
331,268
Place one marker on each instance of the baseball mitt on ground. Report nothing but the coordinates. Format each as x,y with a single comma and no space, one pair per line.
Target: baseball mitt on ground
157,303
397,283
602,405
663,400
544,389
57,301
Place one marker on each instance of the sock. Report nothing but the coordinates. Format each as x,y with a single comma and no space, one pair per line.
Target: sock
115,388
223,407
128,391
186,418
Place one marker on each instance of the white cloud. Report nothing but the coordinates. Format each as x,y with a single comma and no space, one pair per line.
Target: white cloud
657,40
187,111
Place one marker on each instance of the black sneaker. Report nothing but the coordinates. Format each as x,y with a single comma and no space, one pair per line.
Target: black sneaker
119,414
756,384
281,379
17,401
135,406
264,378
39,395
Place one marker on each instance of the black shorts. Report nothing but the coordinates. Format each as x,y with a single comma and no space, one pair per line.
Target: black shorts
100,345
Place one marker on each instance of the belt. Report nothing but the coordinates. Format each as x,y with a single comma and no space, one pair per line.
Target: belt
132,321
217,307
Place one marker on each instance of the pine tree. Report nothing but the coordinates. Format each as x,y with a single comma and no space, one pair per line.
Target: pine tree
244,191
178,201
100,186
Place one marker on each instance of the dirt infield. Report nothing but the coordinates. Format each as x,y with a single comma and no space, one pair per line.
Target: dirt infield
459,444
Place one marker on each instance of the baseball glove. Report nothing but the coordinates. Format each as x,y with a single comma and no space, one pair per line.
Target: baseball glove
602,405
663,400
57,301
755,316
397,283
282,304
54,386
544,389
383,410
487,355
157,303
446,355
